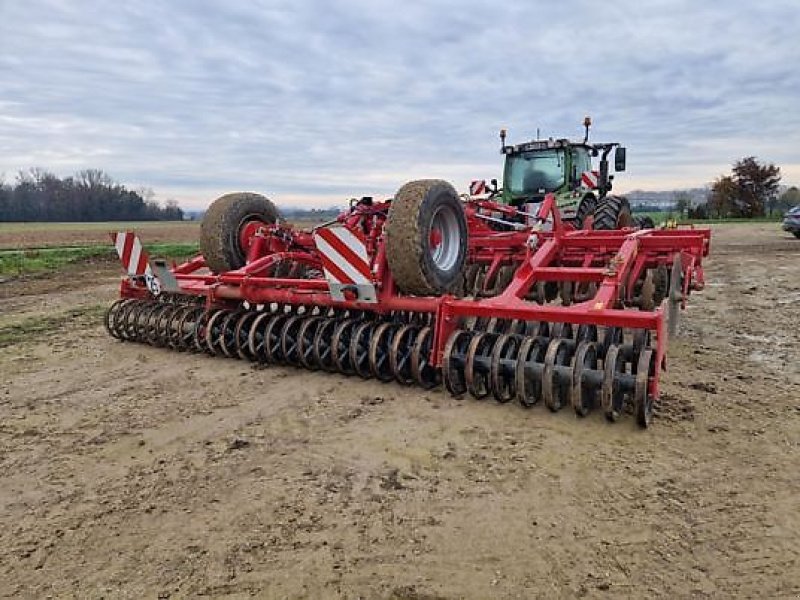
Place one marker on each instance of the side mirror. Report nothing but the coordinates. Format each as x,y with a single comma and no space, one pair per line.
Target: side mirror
619,159
494,185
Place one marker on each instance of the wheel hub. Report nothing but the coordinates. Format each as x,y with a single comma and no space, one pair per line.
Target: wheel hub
445,238
247,231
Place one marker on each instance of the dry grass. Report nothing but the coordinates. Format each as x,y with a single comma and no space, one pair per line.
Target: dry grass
19,236
24,236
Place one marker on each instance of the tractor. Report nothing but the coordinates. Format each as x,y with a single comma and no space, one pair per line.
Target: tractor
564,168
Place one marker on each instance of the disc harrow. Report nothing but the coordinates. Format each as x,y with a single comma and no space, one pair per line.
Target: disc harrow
531,362
352,343
531,311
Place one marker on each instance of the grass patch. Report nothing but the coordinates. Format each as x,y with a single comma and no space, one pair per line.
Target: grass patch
22,262
663,216
42,260
37,327
752,221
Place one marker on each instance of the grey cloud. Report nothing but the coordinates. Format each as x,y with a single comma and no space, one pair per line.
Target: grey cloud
319,100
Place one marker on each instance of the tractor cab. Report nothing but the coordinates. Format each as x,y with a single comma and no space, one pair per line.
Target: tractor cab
561,167
542,167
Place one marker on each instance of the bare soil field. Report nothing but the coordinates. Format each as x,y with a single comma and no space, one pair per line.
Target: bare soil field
131,472
14,236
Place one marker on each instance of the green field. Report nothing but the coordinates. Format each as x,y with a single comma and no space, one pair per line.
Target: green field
14,263
27,248
660,217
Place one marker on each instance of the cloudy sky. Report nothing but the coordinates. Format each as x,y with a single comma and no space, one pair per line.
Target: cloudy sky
314,101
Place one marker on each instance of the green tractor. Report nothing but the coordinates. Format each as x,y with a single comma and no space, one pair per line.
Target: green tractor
564,168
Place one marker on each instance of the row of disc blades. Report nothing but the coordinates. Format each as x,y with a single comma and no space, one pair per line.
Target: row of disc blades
396,349
552,363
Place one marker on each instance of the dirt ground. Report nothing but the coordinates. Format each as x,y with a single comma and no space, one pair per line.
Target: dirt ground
132,472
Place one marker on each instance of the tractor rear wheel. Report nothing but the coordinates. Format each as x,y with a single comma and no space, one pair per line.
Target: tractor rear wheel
426,238
613,212
229,224
644,222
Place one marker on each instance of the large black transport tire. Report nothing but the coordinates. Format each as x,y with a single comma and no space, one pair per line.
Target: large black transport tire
613,212
221,241
426,238
644,222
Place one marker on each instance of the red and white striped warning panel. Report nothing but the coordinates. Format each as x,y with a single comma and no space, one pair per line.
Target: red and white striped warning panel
589,179
133,257
477,187
345,262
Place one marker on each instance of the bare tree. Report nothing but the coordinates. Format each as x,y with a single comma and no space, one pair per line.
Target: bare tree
38,195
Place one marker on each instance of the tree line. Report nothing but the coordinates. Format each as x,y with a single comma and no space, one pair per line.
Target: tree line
749,191
89,195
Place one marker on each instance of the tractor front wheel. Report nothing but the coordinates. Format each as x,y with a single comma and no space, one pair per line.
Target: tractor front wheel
426,238
228,226
587,207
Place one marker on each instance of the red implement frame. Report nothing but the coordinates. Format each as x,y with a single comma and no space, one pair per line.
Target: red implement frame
545,250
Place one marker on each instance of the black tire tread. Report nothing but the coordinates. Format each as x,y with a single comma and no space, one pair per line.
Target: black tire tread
586,207
644,222
404,251
219,236
610,211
